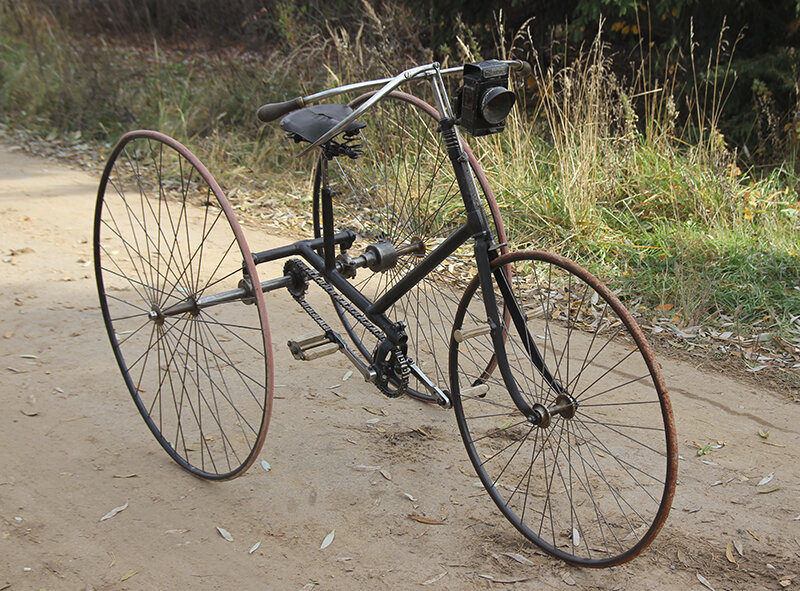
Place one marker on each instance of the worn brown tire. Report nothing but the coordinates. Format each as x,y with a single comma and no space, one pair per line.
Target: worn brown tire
594,486
166,236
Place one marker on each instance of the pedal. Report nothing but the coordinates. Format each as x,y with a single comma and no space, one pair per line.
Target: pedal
312,348
476,391
462,334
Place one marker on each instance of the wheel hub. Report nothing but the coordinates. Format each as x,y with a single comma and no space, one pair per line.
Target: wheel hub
156,315
564,406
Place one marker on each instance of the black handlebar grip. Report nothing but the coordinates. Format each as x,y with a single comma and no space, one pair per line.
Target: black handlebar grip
524,68
272,111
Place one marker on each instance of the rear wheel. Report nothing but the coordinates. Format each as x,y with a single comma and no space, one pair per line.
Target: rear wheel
402,189
593,481
165,238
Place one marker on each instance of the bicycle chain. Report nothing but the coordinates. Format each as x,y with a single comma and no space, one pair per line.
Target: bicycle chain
402,361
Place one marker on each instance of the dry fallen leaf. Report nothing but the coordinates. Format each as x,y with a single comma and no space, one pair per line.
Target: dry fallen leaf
114,511
363,468
426,520
518,557
328,539
386,474
729,553
128,575
763,433
432,580
125,475
265,465
764,491
766,479
254,547
754,534
704,581
413,500
738,545
225,533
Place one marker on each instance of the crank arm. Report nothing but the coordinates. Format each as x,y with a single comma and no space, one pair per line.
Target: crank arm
368,374
441,397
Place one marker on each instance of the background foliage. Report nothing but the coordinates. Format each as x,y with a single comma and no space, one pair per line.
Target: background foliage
657,145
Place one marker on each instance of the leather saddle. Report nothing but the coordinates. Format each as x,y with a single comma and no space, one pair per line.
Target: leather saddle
311,123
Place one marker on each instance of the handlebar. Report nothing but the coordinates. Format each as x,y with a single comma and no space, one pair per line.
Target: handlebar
273,111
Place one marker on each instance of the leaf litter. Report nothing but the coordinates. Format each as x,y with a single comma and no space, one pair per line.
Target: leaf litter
328,540
432,580
426,520
704,581
225,533
729,552
766,479
517,557
114,511
128,575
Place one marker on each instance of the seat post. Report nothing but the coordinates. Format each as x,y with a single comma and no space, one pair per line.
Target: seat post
327,215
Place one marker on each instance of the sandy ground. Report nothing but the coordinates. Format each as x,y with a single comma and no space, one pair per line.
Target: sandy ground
72,447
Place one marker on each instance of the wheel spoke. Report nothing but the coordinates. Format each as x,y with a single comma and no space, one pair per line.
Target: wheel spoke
165,235
590,483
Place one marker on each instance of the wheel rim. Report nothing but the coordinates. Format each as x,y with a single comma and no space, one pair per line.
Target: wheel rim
402,189
166,235
595,485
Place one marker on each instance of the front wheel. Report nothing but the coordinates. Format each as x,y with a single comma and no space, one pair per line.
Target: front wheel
591,480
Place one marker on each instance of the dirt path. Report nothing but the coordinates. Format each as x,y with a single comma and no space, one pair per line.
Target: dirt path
72,447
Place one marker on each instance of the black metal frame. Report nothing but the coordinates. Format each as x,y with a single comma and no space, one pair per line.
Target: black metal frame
320,254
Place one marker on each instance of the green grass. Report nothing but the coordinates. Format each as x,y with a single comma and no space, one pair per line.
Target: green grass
672,224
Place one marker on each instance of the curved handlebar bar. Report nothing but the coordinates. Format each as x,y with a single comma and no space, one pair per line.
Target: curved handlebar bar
272,111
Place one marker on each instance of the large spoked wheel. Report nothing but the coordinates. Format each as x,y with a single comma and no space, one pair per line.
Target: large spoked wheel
402,189
593,482
165,242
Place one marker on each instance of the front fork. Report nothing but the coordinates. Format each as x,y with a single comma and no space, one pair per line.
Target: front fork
485,252
515,321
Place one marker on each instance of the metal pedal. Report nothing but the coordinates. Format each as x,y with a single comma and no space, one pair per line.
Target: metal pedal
477,391
312,347
462,334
